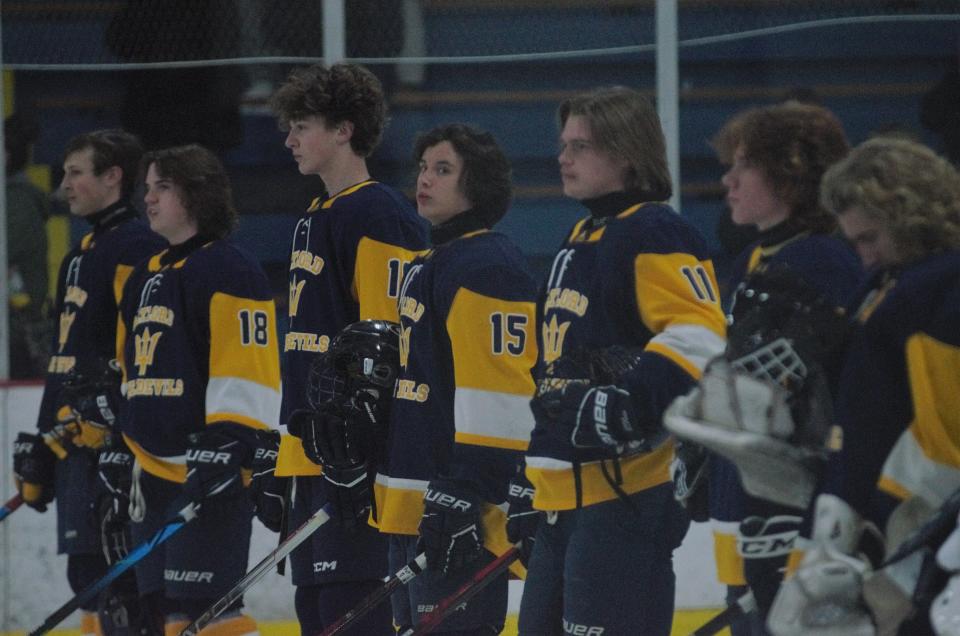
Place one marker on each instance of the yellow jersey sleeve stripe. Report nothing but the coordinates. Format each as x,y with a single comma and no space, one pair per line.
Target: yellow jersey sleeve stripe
119,280
493,343
933,368
910,469
501,417
729,563
292,461
378,272
493,521
251,401
245,346
399,504
677,289
690,346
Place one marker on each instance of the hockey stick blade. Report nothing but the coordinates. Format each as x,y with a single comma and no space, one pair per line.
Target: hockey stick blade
294,539
401,577
741,607
177,521
10,506
481,579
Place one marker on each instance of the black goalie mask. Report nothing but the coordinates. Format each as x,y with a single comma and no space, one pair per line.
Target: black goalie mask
364,358
784,331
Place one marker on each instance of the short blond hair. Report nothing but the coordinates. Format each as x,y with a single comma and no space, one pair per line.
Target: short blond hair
905,186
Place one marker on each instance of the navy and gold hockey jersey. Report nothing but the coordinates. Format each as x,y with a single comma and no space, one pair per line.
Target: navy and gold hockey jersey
197,344
91,280
828,265
348,257
639,276
461,406
899,398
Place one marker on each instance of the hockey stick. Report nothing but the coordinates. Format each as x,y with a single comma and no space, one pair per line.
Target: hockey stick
11,504
294,539
741,607
186,514
401,577
481,579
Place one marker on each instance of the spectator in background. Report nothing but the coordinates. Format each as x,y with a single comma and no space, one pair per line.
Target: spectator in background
27,212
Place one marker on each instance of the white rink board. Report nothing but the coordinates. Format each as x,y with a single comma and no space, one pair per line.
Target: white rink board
33,577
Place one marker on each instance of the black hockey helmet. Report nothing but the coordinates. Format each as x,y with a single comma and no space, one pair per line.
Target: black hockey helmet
364,356
782,329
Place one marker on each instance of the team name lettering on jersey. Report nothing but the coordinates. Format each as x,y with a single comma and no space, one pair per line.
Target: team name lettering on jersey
302,259
300,341
75,295
411,308
151,387
569,299
410,390
153,313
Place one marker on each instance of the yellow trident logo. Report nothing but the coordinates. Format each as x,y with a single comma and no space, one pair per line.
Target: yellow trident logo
66,321
146,346
404,346
553,335
296,288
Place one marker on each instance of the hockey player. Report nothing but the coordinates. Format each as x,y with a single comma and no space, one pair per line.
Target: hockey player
201,378
100,171
899,204
635,277
777,155
348,256
460,417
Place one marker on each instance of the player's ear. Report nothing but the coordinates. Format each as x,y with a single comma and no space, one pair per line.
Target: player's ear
345,131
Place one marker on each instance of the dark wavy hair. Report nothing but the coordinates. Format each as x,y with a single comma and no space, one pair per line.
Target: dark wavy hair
342,92
486,176
111,147
793,144
204,185
625,125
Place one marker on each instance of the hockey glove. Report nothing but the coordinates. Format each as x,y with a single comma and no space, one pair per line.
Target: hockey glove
522,519
115,470
89,407
214,459
267,491
594,417
33,470
450,527
349,491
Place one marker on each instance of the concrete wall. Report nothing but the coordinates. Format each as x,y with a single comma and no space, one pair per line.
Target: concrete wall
33,577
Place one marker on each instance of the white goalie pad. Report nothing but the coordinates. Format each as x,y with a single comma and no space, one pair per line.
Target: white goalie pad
748,421
948,555
945,609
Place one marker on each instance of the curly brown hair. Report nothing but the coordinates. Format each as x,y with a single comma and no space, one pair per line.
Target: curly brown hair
204,184
342,92
793,144
905,186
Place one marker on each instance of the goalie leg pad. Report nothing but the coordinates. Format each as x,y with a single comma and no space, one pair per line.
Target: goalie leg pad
822,599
